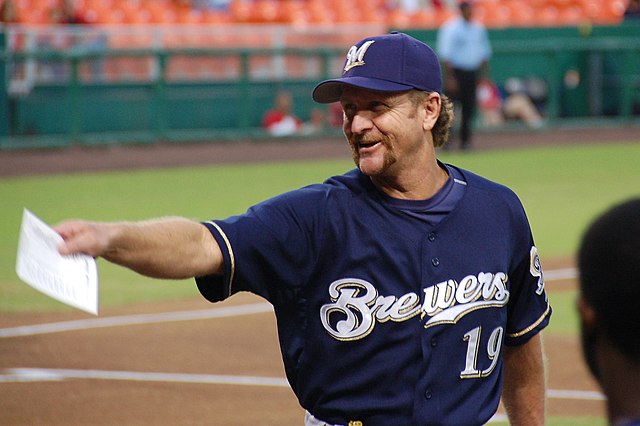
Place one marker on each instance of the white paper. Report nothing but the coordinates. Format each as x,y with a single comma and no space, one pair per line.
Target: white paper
70,279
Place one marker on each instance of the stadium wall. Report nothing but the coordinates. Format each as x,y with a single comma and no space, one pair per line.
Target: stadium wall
221,92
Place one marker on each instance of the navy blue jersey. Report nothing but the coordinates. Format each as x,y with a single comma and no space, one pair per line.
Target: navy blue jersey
384,317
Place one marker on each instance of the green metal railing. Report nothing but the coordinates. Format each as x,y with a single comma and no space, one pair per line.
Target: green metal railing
166,104
626,51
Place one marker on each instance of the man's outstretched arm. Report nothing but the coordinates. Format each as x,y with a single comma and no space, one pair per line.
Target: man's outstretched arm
161,248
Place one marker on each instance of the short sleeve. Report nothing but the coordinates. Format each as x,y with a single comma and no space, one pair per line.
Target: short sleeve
270,250
528,308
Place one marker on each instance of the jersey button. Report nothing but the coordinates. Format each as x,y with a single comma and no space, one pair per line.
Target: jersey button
432,237
435,261
427,394
434,342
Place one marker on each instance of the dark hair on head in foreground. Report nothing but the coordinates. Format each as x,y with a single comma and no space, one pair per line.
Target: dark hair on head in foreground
609,266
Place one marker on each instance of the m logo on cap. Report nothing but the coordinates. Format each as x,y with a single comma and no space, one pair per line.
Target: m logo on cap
355,56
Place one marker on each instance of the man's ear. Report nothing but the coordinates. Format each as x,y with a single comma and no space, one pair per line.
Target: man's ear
586,313
431,104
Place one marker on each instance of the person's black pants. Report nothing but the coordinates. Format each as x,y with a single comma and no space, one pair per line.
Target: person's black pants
466,97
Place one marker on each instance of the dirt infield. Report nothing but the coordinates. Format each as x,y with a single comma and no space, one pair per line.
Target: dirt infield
207,370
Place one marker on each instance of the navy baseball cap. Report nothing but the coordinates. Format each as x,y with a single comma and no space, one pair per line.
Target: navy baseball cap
392,62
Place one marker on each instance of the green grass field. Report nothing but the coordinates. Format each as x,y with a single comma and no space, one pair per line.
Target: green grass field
562,189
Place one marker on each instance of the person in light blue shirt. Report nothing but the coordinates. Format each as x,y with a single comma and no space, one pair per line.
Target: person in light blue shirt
464,49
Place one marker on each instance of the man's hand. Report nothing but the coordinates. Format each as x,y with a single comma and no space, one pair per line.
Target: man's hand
84,237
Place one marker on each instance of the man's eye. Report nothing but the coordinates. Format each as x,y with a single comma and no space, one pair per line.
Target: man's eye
348,110
376,106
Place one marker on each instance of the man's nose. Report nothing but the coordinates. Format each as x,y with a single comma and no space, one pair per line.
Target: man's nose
361,122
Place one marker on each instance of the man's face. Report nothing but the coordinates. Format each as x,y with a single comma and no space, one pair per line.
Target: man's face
466,11
384,130
284,102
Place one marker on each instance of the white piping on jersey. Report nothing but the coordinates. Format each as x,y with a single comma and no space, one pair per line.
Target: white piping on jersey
461,182
532,326
230,251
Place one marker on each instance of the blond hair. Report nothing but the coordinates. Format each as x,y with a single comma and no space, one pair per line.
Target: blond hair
442,127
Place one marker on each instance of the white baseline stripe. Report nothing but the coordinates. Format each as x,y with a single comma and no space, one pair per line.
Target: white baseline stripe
575,394
54,374
47,374
560,274
230,311
56,327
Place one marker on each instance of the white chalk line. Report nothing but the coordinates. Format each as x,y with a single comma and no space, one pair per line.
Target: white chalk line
560,274
57,327
54,374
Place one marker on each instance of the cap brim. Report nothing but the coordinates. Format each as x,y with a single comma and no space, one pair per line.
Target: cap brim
330,91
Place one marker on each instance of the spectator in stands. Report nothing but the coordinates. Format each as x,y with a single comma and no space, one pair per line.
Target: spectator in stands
222,5
609,267
317,122
8,12
280,120
464,49
444,4
71,14
496,106
633,10
68,14
409,6
414,6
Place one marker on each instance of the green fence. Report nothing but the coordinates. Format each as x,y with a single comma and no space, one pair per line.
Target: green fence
90,112
590,73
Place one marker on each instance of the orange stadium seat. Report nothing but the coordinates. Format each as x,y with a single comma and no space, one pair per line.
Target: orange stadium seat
319,13
493,14
601,11
22,9
612,11
116,16
215,17
265,11
156,10
425,18
398,18
189,16
168,16
240,10
443,14
373,14
346,13
293,11
521,12
548,16
537,4
139,16
96,4
591,8
338,9
572,13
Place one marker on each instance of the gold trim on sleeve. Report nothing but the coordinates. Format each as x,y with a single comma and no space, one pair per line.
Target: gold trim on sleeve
532,326
230,251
